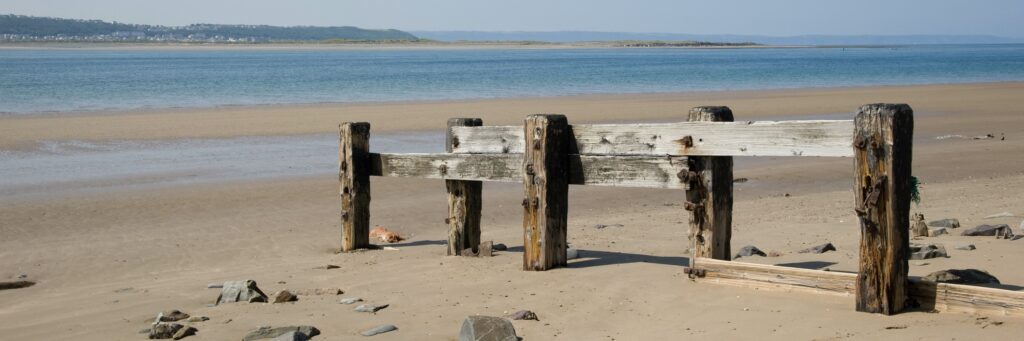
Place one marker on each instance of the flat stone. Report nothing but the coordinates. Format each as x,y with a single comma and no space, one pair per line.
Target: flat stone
171,316
524,315
938,231
966,247
572,253
268,332
292,336
241,291
318,292
820,248
370,308
500,247
198,319
379,330
1000,231
284,296
487,328
748,251
961,276
184,332
919,252
350,300
947,223
164,330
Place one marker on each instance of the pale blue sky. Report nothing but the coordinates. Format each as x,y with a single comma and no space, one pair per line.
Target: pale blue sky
761,17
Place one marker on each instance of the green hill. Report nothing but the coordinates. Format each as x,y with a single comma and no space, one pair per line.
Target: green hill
26,28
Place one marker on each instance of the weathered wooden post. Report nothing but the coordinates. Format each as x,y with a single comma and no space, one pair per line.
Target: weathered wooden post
546,182
464,200
882,149
709,198
354,176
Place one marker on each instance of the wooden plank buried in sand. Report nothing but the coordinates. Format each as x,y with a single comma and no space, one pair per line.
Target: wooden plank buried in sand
928,295
621,171
755,138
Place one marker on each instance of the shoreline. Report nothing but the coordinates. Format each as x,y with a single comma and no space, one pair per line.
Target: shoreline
21,132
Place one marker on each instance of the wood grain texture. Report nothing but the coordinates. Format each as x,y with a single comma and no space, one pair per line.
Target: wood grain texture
545,174
709,198
465,200
941,297
619,171
883,145
354,178
758,138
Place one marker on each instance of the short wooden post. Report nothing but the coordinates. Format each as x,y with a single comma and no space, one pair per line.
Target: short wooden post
464,200
354,176
546,182
882,146
709,198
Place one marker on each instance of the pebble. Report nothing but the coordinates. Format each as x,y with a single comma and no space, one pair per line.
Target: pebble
284,296
524,315
820,248
350,300
966,247
370,308
215,285
947,223
379,330
171,316
920,252
500,247
935,232
164,330
748,251
184,332
602,226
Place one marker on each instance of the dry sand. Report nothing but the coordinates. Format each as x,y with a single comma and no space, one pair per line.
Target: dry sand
106,263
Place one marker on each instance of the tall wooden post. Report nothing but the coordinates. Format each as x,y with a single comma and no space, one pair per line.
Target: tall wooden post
709,198
354,176
882,146
546,182
464,200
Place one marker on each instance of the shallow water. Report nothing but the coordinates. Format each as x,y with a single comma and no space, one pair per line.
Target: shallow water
71,80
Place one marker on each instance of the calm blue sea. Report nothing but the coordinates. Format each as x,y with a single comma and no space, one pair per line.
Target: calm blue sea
63,80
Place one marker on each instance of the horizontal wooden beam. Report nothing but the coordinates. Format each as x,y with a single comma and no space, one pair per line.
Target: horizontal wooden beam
621,171
758,138
929,295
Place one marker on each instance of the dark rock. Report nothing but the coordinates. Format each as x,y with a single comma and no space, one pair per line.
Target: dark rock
1000,231
500,247
292,336
379,330
171,316
328,267
748,251
947,223
919,252
370,308
524,315
603,226
16,285
241,291
271,332
966,247
487,328
964,276
284,296
22,276
739,180
938,231
184,332
820,248
164,330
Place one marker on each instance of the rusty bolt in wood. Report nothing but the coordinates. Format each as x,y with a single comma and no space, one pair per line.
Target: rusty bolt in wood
536,203
687,141
529,169
687,176
344,166
455,142
690,206
447,220
443,169
344,215
860,142
526,202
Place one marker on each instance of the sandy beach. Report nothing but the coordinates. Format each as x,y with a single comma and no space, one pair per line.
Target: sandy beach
106,262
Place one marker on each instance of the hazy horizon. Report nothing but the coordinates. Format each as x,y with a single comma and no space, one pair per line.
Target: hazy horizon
735,17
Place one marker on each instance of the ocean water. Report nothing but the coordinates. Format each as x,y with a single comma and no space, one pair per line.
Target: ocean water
73,80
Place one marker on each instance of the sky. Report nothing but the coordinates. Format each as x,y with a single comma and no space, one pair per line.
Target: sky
1003,18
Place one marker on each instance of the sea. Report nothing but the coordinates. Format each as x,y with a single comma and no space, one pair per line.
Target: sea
41,82
34,82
